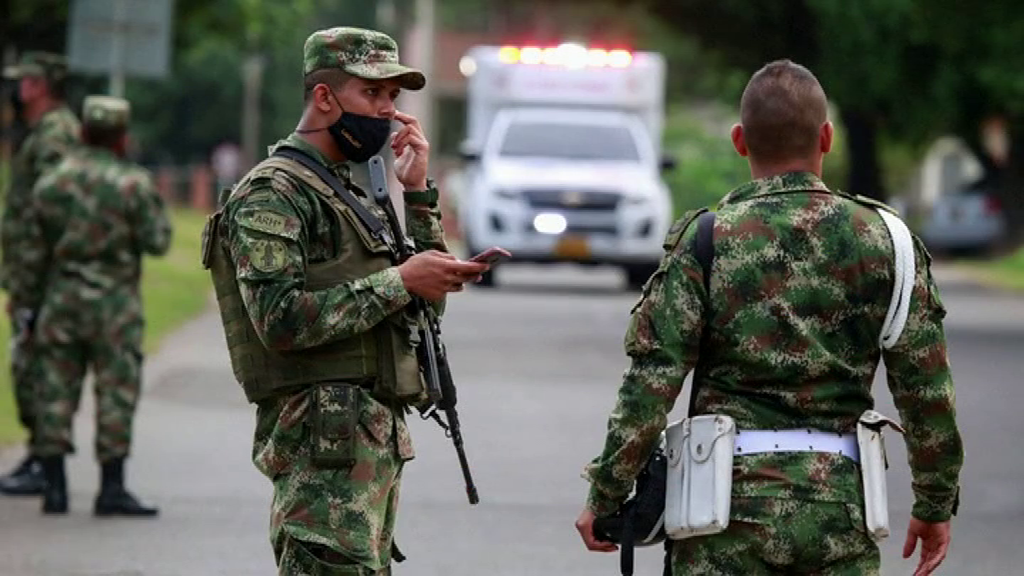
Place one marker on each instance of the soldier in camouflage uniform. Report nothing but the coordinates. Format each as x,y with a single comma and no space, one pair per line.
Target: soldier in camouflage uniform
89,222
53,132
316,308
799,288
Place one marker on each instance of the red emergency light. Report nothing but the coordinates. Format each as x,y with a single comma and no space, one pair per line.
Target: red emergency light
567,55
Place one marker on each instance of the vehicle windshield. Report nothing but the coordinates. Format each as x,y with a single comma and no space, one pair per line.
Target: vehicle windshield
569,141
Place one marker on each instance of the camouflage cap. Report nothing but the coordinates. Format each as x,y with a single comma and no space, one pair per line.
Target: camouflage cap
362,53
48,65
105,112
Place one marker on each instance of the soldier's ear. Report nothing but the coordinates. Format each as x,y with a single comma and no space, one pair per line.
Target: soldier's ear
739,142
825,136
323,98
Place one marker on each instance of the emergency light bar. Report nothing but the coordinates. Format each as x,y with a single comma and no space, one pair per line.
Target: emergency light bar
568,55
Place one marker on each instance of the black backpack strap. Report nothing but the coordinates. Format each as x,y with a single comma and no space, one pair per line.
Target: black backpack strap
704,252
704,247
371,222
627,546
667,570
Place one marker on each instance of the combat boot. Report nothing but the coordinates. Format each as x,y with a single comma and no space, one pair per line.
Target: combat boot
25,480
55,494
114,499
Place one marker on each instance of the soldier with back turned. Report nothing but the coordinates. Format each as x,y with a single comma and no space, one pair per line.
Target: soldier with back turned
88,224
785,337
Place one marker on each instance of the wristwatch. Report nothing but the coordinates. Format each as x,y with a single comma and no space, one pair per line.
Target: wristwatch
426,197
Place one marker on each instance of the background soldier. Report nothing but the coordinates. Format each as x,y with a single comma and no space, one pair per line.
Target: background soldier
317,315
53,131
92,218
799,291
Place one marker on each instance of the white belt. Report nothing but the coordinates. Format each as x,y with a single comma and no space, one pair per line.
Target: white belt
798,440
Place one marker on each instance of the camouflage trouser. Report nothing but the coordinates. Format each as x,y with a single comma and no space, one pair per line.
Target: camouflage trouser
64,348
340,520
21,381
769,536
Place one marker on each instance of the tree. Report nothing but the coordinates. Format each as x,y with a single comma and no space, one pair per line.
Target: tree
859,50
902,70
982,50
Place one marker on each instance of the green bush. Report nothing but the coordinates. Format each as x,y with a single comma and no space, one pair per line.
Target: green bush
707,165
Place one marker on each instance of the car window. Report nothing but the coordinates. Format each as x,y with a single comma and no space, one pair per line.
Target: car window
571,141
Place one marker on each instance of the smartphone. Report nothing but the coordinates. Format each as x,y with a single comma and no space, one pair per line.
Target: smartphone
492,256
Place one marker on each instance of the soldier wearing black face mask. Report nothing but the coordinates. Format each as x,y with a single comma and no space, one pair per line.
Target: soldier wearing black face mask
52,131
315,303
357,137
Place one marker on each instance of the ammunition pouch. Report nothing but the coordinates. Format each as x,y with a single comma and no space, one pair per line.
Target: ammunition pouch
333,418
873,465
699,490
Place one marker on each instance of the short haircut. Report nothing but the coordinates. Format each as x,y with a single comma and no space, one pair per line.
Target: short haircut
333,77
109,138
782,110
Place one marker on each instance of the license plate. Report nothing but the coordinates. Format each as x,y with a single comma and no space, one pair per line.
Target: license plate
573,248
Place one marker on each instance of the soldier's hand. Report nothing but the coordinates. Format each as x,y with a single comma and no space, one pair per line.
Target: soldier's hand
934,544
585,526
432,274
412,153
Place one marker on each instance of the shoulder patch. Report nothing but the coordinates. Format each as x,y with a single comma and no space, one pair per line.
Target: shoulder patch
269,222
268,255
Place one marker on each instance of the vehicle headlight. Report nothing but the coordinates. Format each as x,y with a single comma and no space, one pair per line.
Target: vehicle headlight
637,200
506,194
550,223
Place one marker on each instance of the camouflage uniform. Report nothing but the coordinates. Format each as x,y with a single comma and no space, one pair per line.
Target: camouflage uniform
92,219
325,519
50,139
799,290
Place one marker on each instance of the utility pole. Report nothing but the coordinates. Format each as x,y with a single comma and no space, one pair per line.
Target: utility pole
419,43
386,17
117,42
252,82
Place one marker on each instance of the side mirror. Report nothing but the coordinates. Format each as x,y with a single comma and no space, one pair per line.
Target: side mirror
668,163
468,152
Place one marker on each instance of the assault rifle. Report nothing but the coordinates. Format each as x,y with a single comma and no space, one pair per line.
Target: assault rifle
432,356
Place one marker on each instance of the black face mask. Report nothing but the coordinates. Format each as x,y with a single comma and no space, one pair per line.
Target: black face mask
358,137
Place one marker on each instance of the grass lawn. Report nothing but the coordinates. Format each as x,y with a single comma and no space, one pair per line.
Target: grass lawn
1007,272
174,289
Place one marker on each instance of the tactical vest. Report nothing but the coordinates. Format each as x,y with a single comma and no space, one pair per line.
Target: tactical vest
383,358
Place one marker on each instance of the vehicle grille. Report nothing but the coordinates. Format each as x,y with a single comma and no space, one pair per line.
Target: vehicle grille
606,228
573,199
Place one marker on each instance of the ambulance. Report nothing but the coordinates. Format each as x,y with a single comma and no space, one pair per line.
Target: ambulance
564,159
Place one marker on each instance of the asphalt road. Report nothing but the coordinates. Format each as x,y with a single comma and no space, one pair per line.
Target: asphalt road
538,362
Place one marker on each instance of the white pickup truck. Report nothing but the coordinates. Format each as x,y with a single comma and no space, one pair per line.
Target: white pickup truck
564,151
